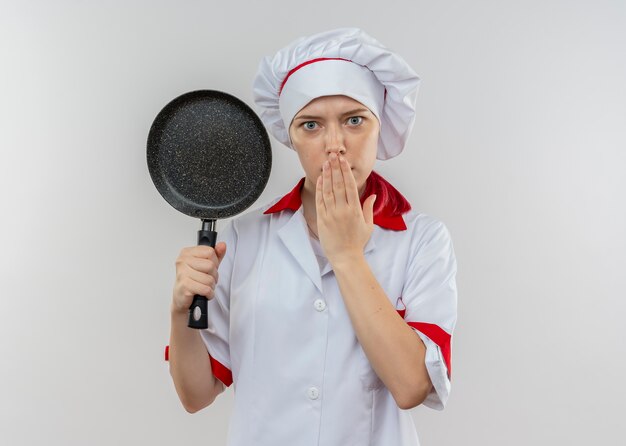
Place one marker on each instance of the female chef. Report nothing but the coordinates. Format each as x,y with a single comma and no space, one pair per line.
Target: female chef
334,306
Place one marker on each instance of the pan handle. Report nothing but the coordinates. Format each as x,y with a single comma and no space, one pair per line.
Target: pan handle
198,309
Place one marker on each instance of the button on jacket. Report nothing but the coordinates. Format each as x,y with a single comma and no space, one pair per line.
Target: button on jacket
280,333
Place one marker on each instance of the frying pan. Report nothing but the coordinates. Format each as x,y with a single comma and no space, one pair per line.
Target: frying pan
210,157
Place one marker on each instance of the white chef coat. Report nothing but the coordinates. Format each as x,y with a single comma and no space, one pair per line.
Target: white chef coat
279,329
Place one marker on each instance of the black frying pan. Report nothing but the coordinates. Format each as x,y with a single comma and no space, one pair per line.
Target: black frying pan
210,157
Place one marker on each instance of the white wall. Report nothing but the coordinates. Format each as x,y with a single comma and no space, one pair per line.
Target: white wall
519,148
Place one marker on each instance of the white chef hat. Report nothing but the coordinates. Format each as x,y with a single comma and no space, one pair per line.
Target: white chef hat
343,61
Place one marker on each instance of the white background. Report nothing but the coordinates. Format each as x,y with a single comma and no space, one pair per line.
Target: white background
519,147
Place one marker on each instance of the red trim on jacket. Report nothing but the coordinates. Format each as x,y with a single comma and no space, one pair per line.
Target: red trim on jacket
434,332
439,337
220,371
388,209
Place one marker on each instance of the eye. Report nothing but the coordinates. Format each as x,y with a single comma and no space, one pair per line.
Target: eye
355,120
310,125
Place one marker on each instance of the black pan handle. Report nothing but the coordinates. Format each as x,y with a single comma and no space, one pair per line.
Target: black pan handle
198,309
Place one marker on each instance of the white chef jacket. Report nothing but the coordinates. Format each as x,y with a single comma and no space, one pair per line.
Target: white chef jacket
280,332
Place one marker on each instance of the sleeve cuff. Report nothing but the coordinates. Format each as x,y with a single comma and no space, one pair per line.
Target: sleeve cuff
438,373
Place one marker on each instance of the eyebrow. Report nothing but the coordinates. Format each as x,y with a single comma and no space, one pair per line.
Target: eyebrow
351,112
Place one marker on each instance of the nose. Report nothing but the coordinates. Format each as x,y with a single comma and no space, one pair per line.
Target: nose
334,142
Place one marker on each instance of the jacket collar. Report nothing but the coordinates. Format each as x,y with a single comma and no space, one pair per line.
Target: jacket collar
383,218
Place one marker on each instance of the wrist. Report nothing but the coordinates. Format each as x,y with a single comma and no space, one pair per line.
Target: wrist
176,312
346,260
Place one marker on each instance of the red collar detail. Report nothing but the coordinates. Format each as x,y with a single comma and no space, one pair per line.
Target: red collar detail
383,217
291,201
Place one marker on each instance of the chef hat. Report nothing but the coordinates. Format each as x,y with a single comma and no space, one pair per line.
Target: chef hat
346,62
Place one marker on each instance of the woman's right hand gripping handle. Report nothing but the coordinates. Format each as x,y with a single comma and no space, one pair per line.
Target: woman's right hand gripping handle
196,273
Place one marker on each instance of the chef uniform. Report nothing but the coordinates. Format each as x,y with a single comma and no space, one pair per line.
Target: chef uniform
278,327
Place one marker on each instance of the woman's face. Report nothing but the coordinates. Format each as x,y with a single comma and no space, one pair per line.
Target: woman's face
335,124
